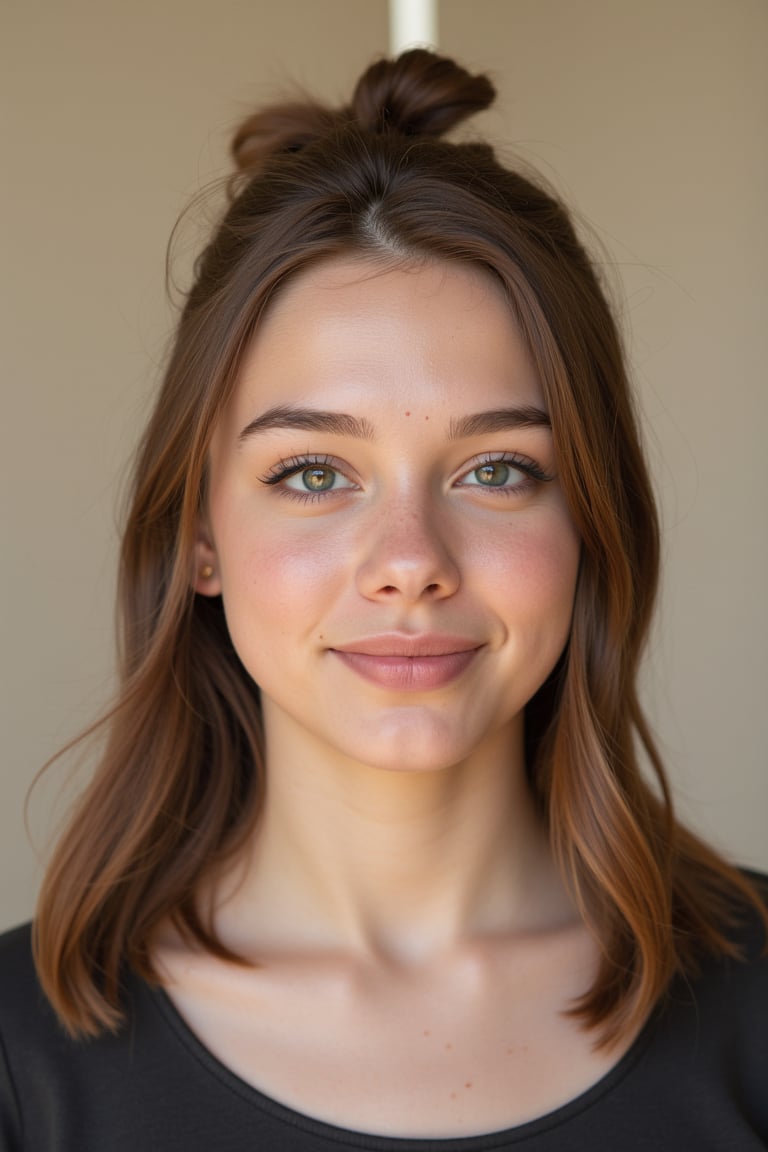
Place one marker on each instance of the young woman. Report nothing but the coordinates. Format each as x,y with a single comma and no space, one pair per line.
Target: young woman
368,859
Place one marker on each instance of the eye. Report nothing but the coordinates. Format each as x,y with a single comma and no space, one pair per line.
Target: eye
307,477
316,478
505,474
494,474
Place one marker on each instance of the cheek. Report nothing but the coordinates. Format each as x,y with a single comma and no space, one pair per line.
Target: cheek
535,563
274,579
554,564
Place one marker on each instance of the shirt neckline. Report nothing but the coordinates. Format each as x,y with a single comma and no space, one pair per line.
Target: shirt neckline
332,1133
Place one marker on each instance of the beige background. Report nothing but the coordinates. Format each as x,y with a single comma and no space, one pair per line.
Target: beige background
649,115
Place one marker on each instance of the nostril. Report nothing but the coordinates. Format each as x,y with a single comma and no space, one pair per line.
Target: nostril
395,590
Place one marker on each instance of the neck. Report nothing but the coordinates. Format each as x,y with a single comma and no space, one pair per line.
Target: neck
392,865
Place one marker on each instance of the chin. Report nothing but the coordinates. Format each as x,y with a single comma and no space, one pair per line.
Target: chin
428,744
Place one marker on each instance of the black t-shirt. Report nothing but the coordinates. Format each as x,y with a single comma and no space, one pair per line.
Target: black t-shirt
695,1079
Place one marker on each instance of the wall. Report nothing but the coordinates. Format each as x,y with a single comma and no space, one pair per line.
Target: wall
648,114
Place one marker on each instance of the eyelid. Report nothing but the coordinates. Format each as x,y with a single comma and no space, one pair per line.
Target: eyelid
530,469
285,469
299,472
290,465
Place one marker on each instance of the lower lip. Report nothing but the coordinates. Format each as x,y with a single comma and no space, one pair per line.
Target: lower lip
408,673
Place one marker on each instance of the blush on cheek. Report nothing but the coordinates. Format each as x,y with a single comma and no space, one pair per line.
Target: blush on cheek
552,561
539,561
285,577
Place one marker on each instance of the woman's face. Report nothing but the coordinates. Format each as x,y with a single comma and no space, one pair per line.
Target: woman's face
385,523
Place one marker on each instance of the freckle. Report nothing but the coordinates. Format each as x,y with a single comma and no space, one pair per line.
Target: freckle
448,1047
468,1084
427,1032
510,1051
453,1095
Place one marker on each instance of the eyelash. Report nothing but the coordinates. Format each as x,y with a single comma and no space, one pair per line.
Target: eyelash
534,474
292,465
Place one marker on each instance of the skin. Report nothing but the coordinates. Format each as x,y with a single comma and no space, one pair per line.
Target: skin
415,946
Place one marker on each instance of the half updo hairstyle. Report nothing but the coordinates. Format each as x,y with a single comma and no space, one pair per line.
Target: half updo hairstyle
180,776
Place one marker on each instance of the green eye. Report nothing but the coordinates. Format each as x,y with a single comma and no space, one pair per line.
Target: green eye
509,476
302,477
318,479
315,479
494,474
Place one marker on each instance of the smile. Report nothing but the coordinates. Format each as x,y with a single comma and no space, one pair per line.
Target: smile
416,663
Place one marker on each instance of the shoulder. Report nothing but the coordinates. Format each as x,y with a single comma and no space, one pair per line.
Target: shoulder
743,983
724,983
20,992
713,1041
102,1092
16,950
759,881
44,1072
22,1011
749,935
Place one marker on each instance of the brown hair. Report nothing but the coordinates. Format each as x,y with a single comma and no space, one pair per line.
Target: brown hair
180,776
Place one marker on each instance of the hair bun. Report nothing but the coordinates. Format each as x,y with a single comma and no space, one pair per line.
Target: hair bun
418,94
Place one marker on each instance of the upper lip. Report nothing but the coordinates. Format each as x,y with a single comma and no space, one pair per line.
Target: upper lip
399,644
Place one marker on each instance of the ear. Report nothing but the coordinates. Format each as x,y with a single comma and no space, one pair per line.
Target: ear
206,579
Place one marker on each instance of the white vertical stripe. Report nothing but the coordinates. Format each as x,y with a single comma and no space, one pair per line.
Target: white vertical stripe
412,23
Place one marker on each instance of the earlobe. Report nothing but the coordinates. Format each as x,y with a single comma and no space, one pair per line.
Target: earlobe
206,579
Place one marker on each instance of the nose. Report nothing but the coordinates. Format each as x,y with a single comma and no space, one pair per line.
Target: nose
407,556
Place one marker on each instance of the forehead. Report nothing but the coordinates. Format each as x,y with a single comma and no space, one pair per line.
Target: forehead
354,332
382,294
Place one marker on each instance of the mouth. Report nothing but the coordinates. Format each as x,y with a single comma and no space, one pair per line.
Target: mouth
409,663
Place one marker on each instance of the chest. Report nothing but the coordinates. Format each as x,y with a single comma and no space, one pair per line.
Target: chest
471,1046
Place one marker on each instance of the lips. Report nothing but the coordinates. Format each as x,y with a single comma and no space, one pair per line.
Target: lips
409,663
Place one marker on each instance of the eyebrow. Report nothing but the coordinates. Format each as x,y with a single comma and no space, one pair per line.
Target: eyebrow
310,419
499,420
342,424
